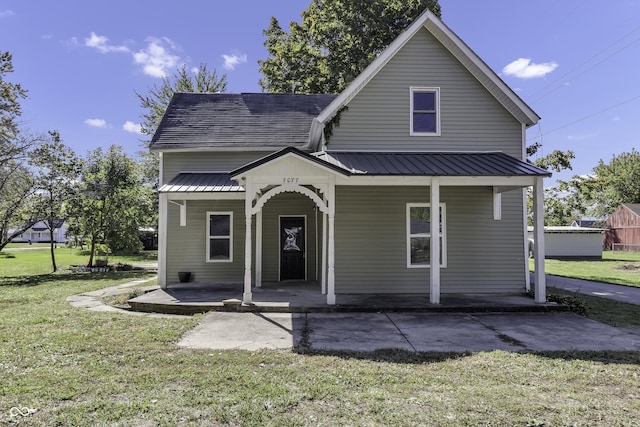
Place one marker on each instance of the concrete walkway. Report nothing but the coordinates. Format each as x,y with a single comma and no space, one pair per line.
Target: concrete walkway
416,332
628,294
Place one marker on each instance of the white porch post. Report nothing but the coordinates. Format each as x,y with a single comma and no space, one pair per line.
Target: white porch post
246,297
434,288
538,235
323,277
331,193
259,249
162,240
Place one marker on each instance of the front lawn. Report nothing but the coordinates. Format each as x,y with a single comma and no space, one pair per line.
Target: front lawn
622,268
78,367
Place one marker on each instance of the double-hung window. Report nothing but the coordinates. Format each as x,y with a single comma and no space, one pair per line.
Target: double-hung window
219,236
425,111
420,232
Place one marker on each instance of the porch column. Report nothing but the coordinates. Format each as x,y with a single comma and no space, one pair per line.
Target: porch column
323,277
538,236
248,201
259,249
162,240
331,196
434,288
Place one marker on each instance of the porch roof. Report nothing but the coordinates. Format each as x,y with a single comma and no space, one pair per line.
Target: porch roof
201,183
432,164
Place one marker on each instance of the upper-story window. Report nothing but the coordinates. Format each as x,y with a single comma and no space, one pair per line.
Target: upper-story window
425,111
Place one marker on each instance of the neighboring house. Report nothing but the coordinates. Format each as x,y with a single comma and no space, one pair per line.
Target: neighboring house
40,233
339,189
623,229
586,223
572,242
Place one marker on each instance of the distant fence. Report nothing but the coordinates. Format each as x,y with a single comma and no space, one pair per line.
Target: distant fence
627,247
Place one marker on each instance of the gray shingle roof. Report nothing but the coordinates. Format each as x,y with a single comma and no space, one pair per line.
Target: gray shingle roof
633,207
434,164
200,120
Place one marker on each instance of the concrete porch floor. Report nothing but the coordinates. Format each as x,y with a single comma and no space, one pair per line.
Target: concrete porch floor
306,297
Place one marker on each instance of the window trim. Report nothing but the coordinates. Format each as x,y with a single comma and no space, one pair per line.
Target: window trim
422,89
442,235
208,238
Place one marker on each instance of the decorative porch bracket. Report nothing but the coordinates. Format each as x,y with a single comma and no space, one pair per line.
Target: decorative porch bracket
183,211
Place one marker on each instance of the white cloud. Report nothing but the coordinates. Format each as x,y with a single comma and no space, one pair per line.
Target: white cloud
6,12
132,127
580,137
96,123
523,68
233,60
101,43
155,59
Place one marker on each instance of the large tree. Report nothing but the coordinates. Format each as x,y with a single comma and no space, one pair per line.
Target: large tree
155,102
109,207
56,168
334,43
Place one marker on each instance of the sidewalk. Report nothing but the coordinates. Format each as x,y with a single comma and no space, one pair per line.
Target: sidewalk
628,294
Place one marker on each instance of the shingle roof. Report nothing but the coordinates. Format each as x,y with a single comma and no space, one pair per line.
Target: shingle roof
200,183
433,164
200,120
633,207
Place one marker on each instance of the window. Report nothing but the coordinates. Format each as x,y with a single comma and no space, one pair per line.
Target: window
219,236
419,235
425,111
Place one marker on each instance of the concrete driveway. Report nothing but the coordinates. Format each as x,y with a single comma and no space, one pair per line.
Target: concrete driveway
420,332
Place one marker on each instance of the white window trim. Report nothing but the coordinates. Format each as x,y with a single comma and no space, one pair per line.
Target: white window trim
436,90
208,238
443,235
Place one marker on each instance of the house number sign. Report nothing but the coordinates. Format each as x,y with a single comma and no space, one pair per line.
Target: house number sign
290,180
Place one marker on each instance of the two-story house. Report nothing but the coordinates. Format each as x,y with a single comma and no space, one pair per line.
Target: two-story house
411,181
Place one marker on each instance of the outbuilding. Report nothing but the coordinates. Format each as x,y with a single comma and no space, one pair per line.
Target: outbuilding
572,242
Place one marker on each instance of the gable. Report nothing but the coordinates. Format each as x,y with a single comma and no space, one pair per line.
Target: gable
378,116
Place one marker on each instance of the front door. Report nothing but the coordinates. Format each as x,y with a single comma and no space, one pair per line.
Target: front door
292,248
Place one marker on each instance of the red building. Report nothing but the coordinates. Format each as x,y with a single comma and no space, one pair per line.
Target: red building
623,226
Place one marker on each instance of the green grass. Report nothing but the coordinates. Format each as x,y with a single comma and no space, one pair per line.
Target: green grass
622,268
78,367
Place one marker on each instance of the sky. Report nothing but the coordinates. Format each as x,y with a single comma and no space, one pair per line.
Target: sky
575,62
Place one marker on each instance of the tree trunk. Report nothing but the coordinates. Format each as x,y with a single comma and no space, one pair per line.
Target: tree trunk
53,253
92,251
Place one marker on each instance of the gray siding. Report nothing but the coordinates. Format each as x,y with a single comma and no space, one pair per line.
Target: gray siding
471,118
371,249
187,245
174,163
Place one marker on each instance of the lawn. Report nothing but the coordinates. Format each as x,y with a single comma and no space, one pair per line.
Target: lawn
622,268
77,367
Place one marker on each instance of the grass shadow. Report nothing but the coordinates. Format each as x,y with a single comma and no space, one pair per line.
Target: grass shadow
41,279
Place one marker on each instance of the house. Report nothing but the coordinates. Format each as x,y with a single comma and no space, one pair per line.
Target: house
585,223
39,233
623,228
339,189
572,242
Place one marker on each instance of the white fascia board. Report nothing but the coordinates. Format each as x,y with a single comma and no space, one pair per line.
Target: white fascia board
502,183
222,195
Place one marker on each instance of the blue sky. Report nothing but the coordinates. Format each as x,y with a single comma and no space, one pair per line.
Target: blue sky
575,62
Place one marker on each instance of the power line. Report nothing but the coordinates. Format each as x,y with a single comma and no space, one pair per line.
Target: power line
586,62
592,115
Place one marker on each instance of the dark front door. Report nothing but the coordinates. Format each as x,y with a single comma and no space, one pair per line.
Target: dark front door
292,248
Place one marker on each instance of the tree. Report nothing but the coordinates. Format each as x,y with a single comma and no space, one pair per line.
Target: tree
334,43
613,183
10,110
56,168
107,209
156,101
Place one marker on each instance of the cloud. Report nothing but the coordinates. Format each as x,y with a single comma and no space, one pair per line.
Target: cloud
155,59
132,127
233,60
101,43
523,68
96,123
6,12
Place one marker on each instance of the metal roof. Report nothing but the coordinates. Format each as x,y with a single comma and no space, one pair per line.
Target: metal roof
209,120
432,164
201,183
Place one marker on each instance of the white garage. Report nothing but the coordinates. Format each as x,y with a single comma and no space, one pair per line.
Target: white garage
572,242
